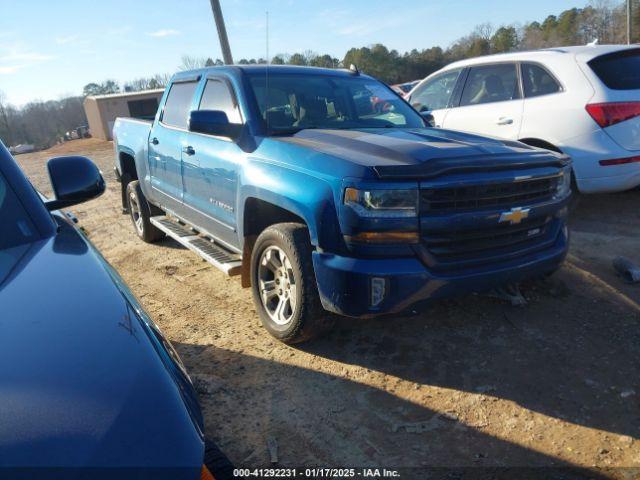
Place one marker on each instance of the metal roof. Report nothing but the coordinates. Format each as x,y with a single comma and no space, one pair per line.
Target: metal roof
126,94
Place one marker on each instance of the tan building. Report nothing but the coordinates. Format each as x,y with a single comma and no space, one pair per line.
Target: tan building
102,110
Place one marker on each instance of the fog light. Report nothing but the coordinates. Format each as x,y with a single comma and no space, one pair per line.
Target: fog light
378,287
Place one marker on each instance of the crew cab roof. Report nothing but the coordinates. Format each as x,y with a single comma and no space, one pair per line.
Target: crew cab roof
261,69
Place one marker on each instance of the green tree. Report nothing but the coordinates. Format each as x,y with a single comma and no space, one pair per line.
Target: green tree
377,61
91,89
504,40
568,27
106,87
325,61
298,59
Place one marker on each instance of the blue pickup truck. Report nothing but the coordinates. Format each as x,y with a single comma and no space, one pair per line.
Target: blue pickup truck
292,178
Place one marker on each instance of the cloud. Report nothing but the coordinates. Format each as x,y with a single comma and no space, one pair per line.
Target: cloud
16,57
66,39
359,29
345,23
30,57
163,33
6,70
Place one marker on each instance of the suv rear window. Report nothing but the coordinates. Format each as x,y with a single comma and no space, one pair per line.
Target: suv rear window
618,70
537,81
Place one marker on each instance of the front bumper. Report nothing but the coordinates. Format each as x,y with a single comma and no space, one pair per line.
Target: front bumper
344,282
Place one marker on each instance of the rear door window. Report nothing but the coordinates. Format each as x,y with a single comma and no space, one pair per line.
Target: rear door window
436,93
491,83
618,70
537,81
217,96
178,104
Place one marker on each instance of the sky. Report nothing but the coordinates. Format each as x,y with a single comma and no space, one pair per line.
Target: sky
51,49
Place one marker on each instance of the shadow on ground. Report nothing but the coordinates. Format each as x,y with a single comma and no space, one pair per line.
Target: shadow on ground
341,432
564,359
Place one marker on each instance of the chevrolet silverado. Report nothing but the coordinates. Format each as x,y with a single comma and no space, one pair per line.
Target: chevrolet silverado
292,178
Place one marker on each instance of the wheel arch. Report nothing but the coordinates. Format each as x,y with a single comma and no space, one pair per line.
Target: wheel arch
128,173
257,215
539,143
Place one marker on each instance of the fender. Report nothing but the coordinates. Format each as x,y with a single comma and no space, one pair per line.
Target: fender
126,151
310,198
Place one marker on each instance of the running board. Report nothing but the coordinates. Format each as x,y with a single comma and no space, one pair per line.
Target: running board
217,255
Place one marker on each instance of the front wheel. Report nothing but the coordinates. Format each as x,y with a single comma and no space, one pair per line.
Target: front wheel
140,212
284,284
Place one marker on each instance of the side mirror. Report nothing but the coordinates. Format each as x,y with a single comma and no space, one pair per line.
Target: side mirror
213,122
74,180
428,118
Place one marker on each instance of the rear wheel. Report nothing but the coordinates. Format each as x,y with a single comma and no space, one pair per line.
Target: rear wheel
140,212
284,284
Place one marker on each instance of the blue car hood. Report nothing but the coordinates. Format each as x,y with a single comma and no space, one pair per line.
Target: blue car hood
425,152
83,382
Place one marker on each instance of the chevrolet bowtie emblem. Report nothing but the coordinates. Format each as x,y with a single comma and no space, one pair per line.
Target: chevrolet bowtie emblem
515,215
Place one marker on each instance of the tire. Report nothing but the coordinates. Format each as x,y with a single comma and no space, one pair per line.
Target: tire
125,179
217,462
281,258
140,212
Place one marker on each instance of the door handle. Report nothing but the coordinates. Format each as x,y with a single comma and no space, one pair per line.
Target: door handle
154,141
504,121
188,150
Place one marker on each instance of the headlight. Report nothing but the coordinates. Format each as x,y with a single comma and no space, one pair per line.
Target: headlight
382,203
564,183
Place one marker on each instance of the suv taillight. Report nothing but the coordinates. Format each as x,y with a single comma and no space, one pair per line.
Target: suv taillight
607,114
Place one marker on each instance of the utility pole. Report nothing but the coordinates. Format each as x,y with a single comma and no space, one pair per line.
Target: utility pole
628,22
222,32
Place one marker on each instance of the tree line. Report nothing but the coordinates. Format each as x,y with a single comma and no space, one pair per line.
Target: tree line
43,122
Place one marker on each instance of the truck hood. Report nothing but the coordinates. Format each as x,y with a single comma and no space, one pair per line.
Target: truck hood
84,383
426,152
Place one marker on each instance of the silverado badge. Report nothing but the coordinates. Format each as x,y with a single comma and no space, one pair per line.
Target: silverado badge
514,216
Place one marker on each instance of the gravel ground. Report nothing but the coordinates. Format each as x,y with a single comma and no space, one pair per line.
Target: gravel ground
468,382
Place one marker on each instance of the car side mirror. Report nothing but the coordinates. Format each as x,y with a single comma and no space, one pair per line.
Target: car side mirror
213,122
74,180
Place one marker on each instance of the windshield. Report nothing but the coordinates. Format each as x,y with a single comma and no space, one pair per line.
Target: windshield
299,101
17,227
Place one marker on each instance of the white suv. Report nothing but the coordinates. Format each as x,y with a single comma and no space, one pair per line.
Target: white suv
582,101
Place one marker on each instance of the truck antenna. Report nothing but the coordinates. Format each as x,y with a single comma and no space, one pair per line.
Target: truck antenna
266,70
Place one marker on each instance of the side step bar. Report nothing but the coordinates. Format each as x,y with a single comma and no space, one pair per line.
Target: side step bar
214,253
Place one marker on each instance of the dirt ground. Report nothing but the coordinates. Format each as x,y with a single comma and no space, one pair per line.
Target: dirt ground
468,382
